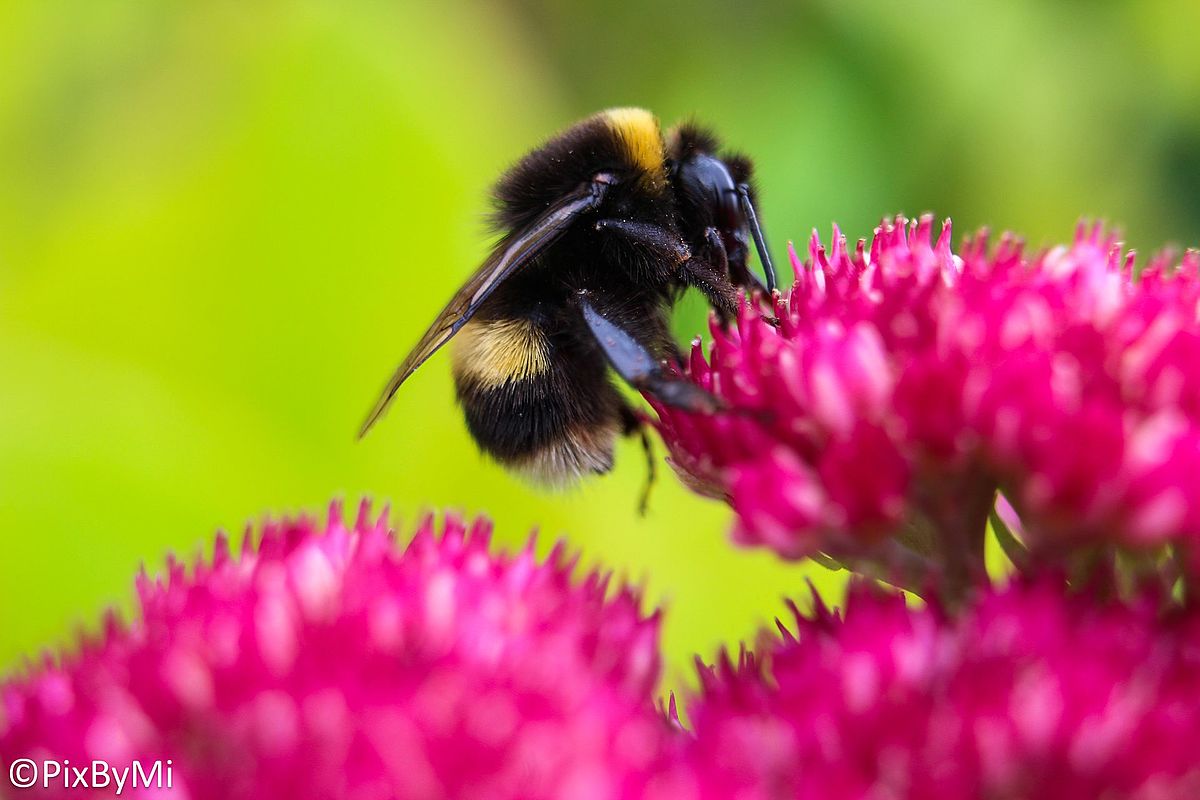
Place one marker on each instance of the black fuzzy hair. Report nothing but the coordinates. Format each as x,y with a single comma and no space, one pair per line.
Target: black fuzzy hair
740,167
689,138
555,168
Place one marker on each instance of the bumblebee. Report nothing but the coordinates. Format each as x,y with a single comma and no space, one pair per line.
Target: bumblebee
603,226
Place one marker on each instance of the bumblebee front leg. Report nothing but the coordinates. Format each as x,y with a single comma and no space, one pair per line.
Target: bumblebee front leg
736,269
717,286
634,362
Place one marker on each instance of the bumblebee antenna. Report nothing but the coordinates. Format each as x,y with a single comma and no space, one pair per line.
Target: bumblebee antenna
760,242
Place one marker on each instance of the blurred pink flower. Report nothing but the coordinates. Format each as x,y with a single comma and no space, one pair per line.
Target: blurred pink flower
905,384
1027,692
334,664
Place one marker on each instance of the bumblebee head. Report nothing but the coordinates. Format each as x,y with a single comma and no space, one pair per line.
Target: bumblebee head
706,190
712,192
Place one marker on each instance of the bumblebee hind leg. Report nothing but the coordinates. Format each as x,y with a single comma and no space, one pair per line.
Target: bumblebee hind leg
633,424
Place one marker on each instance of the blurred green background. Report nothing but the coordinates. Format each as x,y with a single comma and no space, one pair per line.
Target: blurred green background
222,223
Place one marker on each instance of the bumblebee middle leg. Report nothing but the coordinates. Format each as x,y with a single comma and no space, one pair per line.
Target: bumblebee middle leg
715,280
655,238
712,279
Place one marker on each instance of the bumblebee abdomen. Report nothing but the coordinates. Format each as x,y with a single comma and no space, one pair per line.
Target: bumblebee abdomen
536,405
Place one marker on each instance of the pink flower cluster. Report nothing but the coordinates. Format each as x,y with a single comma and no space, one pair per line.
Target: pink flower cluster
1029,692
904,384
339,665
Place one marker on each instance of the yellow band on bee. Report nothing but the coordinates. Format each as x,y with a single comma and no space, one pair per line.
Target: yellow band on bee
500,351
638,129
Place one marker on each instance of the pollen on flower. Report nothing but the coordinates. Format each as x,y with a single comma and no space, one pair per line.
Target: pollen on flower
906,384
327,661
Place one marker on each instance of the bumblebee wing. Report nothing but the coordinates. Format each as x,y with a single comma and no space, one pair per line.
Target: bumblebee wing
514,252
633,361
